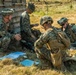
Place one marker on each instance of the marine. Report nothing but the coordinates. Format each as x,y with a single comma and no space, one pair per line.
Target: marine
6,34
69,29
52,45
28,35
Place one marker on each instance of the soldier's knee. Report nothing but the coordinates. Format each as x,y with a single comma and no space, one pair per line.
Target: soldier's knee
5,41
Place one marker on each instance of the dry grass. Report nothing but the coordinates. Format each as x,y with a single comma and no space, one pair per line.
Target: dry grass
56,11
13,69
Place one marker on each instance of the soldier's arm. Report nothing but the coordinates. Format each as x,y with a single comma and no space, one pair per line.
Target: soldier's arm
38,44
33,25
65,40
26,25
27,29
14,36
41,41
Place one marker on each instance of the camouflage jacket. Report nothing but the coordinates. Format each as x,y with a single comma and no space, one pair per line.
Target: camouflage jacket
25,23
50,38
71,32
4,29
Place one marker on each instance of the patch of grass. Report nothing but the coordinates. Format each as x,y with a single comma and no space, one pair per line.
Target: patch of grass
56,12
40,12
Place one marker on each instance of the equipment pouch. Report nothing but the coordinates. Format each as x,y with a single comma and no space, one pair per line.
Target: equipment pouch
56,58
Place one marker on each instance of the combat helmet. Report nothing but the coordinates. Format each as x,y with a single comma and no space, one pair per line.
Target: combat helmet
7,11
45,19
31,6
62,21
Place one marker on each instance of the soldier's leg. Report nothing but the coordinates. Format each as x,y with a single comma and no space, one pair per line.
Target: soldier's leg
14,45
58,56
44,55
5,42
54,57
26,41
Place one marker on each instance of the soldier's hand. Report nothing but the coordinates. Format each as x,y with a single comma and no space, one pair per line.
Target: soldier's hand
17,37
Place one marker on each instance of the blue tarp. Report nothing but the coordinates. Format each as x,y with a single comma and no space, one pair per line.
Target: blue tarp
13,55
28,62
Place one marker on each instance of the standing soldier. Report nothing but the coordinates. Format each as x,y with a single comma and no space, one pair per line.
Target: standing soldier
57,43
5,34
25,26
69,29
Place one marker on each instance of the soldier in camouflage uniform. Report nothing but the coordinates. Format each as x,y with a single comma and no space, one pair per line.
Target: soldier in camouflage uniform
5,34
69,29
57,43
25,26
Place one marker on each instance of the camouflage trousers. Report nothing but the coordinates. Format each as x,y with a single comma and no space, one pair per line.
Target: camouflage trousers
56,58
4,42
28,38
14,45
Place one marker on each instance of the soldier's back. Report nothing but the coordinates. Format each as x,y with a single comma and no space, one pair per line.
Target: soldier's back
54,40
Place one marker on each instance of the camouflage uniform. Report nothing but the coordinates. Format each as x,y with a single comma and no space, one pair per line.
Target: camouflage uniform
5,36
70,30
70,33
25,26
25,21
56,46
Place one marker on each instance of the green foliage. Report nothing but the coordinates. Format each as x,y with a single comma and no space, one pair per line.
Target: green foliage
55,9
40,13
